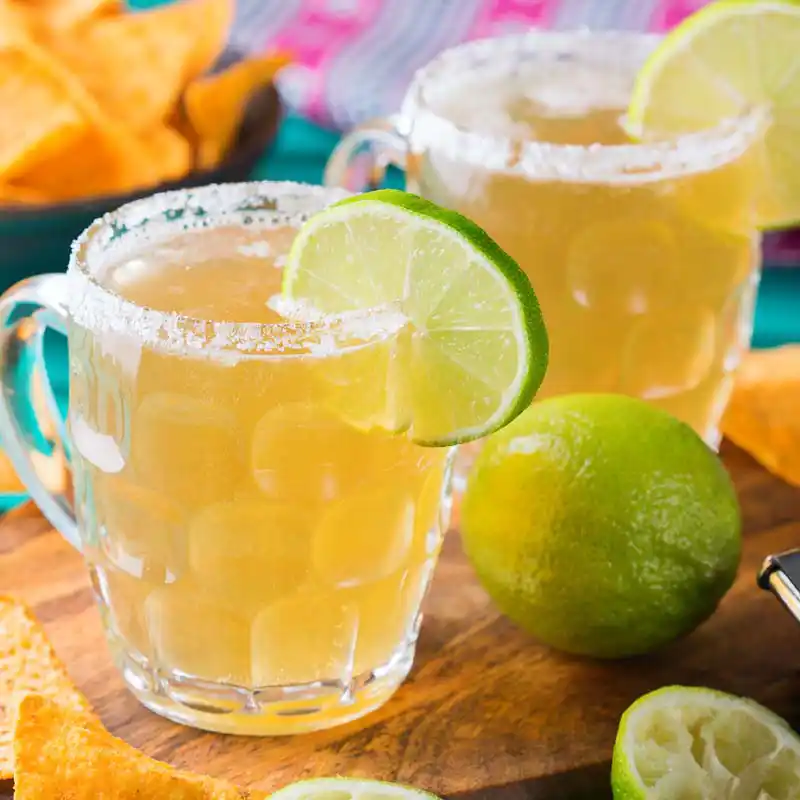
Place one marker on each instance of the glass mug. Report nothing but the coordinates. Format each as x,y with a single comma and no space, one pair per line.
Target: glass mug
259,560
645,257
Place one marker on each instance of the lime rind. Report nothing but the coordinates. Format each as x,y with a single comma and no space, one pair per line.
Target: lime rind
349,789
755,69
479,350
691,742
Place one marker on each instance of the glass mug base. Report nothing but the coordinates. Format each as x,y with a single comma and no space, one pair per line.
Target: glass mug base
265,711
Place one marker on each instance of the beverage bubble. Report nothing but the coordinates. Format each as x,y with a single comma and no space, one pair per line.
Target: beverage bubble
727,259
715,196
310,636
431,516
670,353
250,552
596,280
142,530
365,536
301,453
123,600
366,386
192,633
101,376
736,322
99,449
388,612
186,447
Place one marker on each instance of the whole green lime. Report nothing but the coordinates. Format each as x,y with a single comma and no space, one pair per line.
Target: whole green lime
602,525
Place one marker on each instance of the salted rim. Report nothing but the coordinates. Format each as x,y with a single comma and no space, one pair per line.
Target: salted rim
266,204
427,128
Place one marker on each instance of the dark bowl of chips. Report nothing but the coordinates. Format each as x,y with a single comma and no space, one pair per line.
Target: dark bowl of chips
37,238
104,105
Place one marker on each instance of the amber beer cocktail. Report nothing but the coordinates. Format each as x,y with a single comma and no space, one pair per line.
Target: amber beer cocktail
645,256
259,559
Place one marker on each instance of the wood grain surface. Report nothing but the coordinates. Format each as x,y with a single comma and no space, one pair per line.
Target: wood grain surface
487,712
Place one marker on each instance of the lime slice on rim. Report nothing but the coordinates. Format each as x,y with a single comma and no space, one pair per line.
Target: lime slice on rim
349,789
477,349
728,58
687,743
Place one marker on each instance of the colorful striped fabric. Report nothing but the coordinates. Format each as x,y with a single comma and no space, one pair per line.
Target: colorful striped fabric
354,58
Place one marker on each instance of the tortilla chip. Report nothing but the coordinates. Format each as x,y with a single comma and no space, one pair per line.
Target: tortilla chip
14,24
52,470
215,105
210,22
60,753
90,94
100,163
28,663
40,116
49,18
10,482
20,196
169,151
134,65
107,159
762,416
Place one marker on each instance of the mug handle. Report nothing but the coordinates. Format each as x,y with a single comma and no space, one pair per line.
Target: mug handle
360,159
27,310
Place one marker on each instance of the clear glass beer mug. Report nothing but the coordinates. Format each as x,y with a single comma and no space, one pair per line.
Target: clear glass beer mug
258,561
645,256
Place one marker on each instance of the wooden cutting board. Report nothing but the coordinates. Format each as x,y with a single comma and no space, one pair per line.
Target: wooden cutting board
487,712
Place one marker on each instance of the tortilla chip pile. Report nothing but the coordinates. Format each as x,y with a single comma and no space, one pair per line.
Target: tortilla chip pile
100,101
54,746
763,415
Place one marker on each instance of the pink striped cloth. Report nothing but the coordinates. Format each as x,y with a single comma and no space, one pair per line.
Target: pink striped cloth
354,58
